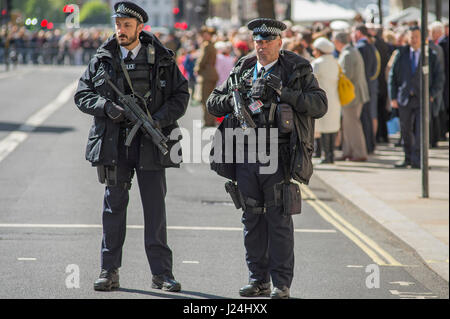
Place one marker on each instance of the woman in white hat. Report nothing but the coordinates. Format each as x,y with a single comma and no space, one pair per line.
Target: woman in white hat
326,70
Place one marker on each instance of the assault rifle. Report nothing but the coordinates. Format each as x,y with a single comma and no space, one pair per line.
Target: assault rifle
136,115
240,112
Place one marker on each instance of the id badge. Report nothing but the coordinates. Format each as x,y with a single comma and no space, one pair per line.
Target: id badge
255,107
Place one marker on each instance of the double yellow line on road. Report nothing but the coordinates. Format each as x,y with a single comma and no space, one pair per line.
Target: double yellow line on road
371,248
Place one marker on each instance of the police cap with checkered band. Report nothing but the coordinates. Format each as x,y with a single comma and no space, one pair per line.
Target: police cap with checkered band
127,9
265,28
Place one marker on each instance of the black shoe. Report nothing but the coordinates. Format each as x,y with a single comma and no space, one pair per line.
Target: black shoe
416,166
108,279
165,283
255,289
280,293
404,164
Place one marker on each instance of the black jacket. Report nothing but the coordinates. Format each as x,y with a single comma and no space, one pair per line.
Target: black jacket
170,96
300,90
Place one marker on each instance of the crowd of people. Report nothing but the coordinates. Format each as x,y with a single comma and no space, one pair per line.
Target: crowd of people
366,53
386,86
55,47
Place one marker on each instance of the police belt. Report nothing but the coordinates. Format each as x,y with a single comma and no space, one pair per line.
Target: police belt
255,207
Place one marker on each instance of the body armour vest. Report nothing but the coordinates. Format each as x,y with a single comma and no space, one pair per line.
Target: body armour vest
140,72
264,120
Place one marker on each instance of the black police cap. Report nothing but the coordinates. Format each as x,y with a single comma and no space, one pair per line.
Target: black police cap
127,9
265,28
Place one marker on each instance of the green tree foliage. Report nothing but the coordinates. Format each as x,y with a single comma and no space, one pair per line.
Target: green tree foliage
95,12
51,10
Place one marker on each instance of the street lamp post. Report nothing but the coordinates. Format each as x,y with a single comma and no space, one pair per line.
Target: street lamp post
380,12
425,100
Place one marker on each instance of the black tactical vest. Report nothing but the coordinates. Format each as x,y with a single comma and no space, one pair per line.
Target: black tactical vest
139,71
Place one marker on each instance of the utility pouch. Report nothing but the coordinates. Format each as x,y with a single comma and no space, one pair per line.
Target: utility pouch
101,174
107,175
232,189
288,196
285,118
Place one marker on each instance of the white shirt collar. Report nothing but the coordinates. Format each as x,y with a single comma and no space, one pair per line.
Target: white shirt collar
266,67
135,51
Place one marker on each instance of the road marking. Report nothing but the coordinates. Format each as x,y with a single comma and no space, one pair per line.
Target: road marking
430,261
355,266
402,283
412,295
26,258
372,249
142,227
190,262
10,142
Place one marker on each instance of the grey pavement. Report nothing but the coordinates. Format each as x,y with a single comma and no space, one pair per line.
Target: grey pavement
393,198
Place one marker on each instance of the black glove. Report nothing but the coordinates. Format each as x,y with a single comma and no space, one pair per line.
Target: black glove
274,82
115,112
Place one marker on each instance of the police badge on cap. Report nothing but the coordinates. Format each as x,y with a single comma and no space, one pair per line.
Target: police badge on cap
126,9
265,28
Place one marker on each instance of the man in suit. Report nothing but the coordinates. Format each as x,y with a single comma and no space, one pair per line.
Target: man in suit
369,114
405,92
436,31
381,132
443,42
352,64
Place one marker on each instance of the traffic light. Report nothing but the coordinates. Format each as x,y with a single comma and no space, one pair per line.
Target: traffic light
5,10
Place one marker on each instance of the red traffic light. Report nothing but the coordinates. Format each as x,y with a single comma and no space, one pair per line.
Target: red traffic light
176,10
4,12
44,23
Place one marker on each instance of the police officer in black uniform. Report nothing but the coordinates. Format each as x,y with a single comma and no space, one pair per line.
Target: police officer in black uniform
139,65
279,91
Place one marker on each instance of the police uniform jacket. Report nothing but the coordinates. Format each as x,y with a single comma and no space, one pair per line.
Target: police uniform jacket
301,91
169,99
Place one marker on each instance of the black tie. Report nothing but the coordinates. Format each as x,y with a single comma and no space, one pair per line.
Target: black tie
128,58
261,72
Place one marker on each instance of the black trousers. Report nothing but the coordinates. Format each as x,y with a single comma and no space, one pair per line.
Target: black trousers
269,237
152,187
327,141
367,124
410,130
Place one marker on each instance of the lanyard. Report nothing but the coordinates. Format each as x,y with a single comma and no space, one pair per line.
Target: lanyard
255,72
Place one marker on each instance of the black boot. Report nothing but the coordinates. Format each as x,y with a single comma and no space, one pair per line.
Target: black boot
166,283
326,140
255,289
280,293
317,148
108,279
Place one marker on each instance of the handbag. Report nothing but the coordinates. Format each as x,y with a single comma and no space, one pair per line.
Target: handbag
346,89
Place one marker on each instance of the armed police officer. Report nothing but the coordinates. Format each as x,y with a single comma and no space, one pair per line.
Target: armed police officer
278,90
132,68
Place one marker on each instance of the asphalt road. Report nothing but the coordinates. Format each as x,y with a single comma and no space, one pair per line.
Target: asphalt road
50,218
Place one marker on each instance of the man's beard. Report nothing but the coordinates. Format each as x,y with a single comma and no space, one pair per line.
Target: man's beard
130,40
